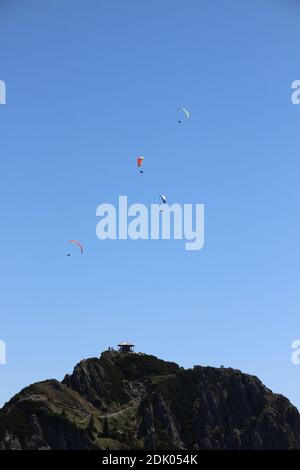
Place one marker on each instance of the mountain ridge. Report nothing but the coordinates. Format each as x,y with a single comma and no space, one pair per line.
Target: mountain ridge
138,401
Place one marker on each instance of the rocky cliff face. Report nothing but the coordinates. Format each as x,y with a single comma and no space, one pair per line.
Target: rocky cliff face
136,401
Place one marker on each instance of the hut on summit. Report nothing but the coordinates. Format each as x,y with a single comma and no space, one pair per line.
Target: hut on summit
126,347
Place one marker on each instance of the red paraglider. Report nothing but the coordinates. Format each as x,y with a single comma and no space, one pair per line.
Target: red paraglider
78,244
139,163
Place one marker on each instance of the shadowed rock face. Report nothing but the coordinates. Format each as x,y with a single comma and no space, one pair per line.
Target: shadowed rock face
135,401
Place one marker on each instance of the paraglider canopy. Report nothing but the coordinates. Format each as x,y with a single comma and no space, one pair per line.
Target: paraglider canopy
139,163
163,199
185,112
76,243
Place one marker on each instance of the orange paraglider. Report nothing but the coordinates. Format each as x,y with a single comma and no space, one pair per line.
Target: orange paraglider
139,163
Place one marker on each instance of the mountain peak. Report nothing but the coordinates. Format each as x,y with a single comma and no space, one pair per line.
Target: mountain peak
126,400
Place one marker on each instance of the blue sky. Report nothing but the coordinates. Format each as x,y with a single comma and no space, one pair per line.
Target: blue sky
91,85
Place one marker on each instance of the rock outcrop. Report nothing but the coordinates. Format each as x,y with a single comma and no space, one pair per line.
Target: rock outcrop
137,401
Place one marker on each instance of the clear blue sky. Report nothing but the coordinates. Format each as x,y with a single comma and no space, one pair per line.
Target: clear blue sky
90,85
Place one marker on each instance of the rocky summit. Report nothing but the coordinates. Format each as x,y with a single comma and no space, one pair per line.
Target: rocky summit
137,401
